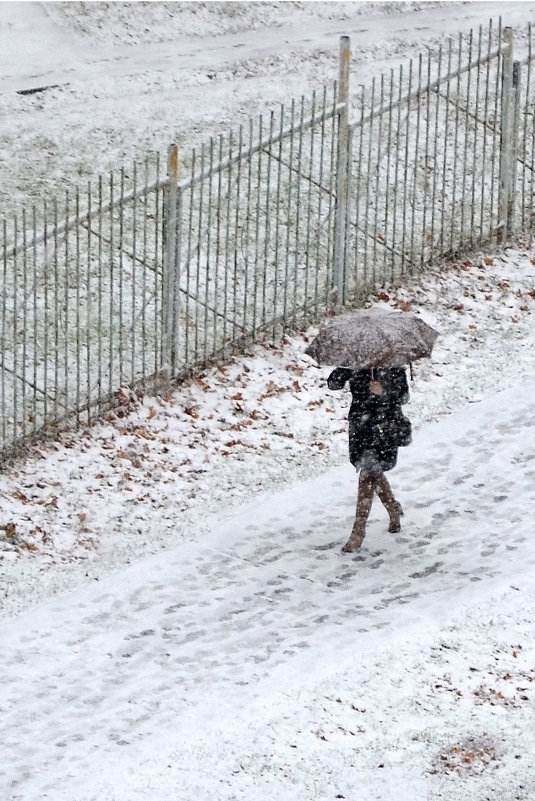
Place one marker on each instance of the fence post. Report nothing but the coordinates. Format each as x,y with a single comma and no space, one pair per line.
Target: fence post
506,139
170,263
342,180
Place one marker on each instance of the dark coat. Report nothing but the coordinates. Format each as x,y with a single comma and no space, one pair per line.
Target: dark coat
376,422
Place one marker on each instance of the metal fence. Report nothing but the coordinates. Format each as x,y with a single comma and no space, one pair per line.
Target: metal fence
81,308
441,159
152,272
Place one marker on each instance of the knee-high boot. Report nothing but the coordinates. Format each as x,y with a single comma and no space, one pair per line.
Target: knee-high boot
364,504
393,507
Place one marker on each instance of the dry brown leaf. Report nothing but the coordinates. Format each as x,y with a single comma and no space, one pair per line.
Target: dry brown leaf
20,496
10,529
143,433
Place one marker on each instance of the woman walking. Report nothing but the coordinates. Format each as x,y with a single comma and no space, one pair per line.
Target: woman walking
377,427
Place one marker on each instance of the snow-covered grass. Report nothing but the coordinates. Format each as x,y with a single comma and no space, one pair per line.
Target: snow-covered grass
183,72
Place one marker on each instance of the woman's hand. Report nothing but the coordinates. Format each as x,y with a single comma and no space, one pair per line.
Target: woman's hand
376,388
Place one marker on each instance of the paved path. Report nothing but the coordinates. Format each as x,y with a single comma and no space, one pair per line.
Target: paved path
265,597
71,58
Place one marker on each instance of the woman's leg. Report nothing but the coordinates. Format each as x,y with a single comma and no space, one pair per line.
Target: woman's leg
393,507
366,489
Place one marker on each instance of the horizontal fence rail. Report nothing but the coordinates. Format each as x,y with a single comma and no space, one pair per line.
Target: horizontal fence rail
153,271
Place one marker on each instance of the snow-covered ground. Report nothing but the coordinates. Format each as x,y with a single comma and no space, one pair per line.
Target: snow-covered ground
128,80
178,619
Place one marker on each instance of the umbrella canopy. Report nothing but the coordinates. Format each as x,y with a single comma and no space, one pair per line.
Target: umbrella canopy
373,338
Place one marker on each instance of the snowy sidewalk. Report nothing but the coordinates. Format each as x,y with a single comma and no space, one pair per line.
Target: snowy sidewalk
217,627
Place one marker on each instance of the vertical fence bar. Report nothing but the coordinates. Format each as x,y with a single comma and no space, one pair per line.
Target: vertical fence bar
298,181
378,195
67,319
257,206
237,234
475,149
446,149
454,240
415,159
111,309
320,205
288,217
230,264
466,141
200,236
3,342
46,355
486,123
56,311
368,231
77,277
406,171
327,299
208,268
514,147
436,139
121,279
266,227
175,288
388,244
100,296
529,165
24,330
133,293
15,328
495,165
342,166
397,162
426,164
35,314
189,260
278,207
523,153
506,165
159,258
144,282
219,246
248,193
170,260
89,304
310,179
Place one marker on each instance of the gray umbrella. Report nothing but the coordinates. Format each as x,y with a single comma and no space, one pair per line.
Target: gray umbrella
373,338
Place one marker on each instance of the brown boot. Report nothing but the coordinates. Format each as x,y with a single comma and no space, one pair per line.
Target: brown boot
393,507
364,504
